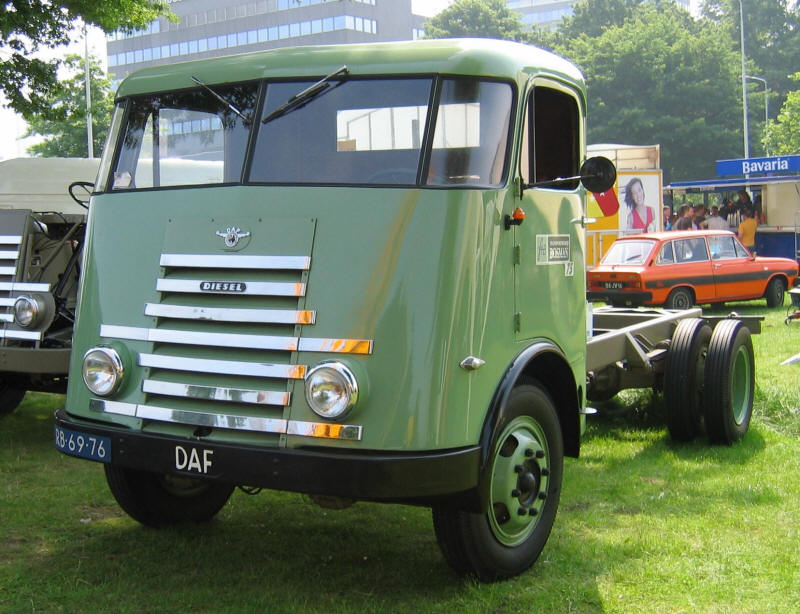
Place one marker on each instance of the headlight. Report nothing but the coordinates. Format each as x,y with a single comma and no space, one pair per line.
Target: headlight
28,311
102,370
331,389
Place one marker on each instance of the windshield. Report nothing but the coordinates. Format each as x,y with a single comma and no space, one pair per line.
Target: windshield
185,138
352,131
628,252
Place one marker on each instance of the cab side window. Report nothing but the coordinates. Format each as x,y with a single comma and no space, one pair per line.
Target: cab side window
551,145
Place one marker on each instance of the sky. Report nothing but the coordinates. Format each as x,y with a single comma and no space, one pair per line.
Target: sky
13,126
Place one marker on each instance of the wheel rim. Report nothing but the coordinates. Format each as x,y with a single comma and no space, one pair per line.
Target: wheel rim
520,478
681,300
740,384
183,487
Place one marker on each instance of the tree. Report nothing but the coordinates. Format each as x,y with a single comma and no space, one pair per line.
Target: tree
67,137
662,77
782,136
29,25
477,18
772,37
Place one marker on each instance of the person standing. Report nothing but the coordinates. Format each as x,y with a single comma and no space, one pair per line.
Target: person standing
715,221
747,230
666,218
685,221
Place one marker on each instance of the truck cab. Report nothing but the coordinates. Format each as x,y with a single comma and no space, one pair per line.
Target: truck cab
353,271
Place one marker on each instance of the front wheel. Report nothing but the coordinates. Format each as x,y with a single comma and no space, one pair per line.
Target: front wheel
524,487
10,397
158,500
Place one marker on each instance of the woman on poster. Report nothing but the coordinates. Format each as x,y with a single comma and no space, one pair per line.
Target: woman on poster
640,216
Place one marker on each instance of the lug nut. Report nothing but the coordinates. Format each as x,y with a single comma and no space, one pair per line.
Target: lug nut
539,453
522,511
518,468
515,493
528,452
545,471
533,512
543,495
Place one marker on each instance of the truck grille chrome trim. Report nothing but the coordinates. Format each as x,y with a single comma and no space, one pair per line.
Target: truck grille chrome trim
326,430
10,239
237,340
164,335
8,270
253,288
11,286
217,393
233,261
229,421
214,314
22,335
6,255
223,367
6,317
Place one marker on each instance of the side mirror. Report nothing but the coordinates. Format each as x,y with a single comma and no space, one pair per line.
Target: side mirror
597,175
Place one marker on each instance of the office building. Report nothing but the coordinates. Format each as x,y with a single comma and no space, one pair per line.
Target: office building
208,28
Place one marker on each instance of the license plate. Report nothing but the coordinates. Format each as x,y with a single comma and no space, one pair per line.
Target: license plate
83,445
613,285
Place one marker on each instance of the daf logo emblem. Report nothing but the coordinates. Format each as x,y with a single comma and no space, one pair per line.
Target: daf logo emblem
232,235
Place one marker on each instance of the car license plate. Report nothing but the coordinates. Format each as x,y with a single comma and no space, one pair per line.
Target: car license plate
84,445
613,285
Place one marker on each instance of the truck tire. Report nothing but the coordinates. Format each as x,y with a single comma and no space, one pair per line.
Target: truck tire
10,398
775,292
679,298
729,382
683,378
524,475
158,500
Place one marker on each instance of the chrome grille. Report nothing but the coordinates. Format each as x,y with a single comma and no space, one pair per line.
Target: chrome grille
226,338
10,288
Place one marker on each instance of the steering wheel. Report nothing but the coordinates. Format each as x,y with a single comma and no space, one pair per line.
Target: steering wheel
87,187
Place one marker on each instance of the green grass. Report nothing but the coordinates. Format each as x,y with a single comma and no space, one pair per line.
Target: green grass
645,525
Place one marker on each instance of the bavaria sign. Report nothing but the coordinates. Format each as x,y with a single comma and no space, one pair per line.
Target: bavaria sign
749,166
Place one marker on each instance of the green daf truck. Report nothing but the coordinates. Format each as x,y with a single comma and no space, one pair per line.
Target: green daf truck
357,272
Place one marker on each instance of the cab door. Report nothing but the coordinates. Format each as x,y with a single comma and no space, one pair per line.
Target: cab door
549,245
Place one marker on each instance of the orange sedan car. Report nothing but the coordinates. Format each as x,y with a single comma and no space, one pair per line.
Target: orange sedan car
679,269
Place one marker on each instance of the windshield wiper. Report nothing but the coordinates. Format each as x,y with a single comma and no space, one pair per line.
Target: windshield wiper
223,100
306,95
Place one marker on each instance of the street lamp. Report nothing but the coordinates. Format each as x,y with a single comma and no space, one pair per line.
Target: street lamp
766,98
744,84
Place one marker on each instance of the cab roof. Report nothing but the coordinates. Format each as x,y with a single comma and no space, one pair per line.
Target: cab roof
481,56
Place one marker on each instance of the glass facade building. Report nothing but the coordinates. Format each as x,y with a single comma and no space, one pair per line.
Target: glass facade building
207,28
549,13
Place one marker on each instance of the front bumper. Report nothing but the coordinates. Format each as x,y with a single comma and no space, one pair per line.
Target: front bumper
413,477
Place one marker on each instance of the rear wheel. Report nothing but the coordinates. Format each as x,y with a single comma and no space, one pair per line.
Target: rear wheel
679,298
10,398
729,382
524,488
683,378
774,292
158,500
